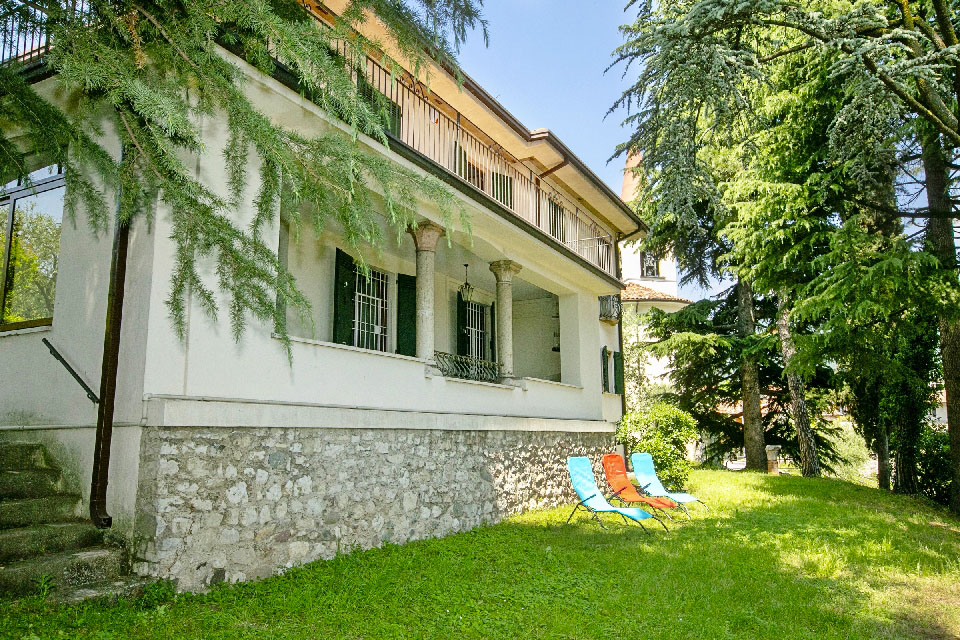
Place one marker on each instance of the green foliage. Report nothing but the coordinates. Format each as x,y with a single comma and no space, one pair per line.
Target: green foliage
664,431
32,274
705,355
933,463
151,73
852,453
776,557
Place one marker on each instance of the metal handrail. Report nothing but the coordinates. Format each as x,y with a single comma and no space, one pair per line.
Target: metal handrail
467,368
73,372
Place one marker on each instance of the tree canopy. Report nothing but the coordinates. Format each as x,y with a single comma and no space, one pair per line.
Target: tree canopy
148,72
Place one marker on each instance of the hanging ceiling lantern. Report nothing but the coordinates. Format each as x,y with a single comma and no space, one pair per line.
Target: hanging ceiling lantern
466,289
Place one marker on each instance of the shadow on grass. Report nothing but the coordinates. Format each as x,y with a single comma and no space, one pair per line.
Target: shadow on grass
777,557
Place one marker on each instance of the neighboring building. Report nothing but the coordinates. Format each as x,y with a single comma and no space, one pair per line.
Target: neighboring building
407,411
651,282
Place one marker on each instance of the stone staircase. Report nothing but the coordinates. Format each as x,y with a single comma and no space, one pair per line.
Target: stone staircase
45,546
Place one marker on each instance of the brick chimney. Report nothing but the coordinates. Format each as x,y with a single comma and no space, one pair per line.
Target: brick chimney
628,192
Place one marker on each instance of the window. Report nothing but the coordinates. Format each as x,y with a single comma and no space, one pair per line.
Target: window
649,265
466,168
30,244
391,113
558,223
370,310
478,335
502,189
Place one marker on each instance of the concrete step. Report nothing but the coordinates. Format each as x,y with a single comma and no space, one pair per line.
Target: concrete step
24,455
109,591
61,573
33,483
27,542
26,512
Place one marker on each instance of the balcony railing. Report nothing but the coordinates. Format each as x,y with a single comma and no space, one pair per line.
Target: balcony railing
447,138
24,36
467,368
433,129
610,309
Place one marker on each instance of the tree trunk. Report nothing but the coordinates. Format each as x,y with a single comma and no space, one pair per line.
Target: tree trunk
905,464
750,385
882,446
940,236
809,464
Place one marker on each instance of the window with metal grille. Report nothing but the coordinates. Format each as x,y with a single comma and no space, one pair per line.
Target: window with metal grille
649,265
370,310
477,333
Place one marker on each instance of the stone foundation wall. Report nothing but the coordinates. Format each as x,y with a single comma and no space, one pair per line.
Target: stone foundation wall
224,504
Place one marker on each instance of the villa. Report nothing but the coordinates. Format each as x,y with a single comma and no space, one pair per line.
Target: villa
444,389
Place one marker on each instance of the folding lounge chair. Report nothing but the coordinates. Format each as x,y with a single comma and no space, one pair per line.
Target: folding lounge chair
591,500
615,470
647,478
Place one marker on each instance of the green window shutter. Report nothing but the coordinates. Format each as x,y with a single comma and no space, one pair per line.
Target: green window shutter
493,332
459,160
618,372
605,370
406,314
344,283
391,112
463,341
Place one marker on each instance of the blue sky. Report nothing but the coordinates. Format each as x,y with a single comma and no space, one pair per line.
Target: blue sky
546,63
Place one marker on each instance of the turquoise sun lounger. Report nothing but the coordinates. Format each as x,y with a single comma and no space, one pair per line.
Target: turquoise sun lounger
591,500
646,477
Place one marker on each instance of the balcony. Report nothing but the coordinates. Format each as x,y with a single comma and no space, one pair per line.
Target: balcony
610,309
426,124
466,368
441,134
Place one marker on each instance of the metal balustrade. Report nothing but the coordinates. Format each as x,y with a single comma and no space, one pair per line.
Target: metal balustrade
451,141
24,36
433,129
611,308
467,368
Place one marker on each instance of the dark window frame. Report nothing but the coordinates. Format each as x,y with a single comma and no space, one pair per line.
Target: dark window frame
8,200
655,271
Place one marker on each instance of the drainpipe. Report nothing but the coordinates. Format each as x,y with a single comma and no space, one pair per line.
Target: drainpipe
108,376
623,396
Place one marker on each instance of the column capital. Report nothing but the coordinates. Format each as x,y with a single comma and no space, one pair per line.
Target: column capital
504,270
425,235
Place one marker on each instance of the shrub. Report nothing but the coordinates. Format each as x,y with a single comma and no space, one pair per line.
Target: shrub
852,453
933,463
664,431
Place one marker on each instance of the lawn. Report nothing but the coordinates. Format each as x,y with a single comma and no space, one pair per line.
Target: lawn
778,557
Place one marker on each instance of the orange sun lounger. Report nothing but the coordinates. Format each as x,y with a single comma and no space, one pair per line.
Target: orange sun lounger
615,470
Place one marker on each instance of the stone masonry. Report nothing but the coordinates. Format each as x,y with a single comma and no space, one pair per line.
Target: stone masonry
226,504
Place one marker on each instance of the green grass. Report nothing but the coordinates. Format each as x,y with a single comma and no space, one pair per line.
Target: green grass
778,557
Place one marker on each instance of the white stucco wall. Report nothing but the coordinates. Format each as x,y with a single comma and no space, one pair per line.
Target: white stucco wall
534,326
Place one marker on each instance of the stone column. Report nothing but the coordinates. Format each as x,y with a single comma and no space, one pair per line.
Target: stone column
425,237
504,270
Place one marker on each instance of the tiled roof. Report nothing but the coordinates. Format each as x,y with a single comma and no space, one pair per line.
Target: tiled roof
638,293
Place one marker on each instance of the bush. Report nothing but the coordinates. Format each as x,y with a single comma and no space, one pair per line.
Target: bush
852,453
933,463
664,432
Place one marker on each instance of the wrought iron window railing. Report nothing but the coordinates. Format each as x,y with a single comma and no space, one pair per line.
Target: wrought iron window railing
610,309
467,368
